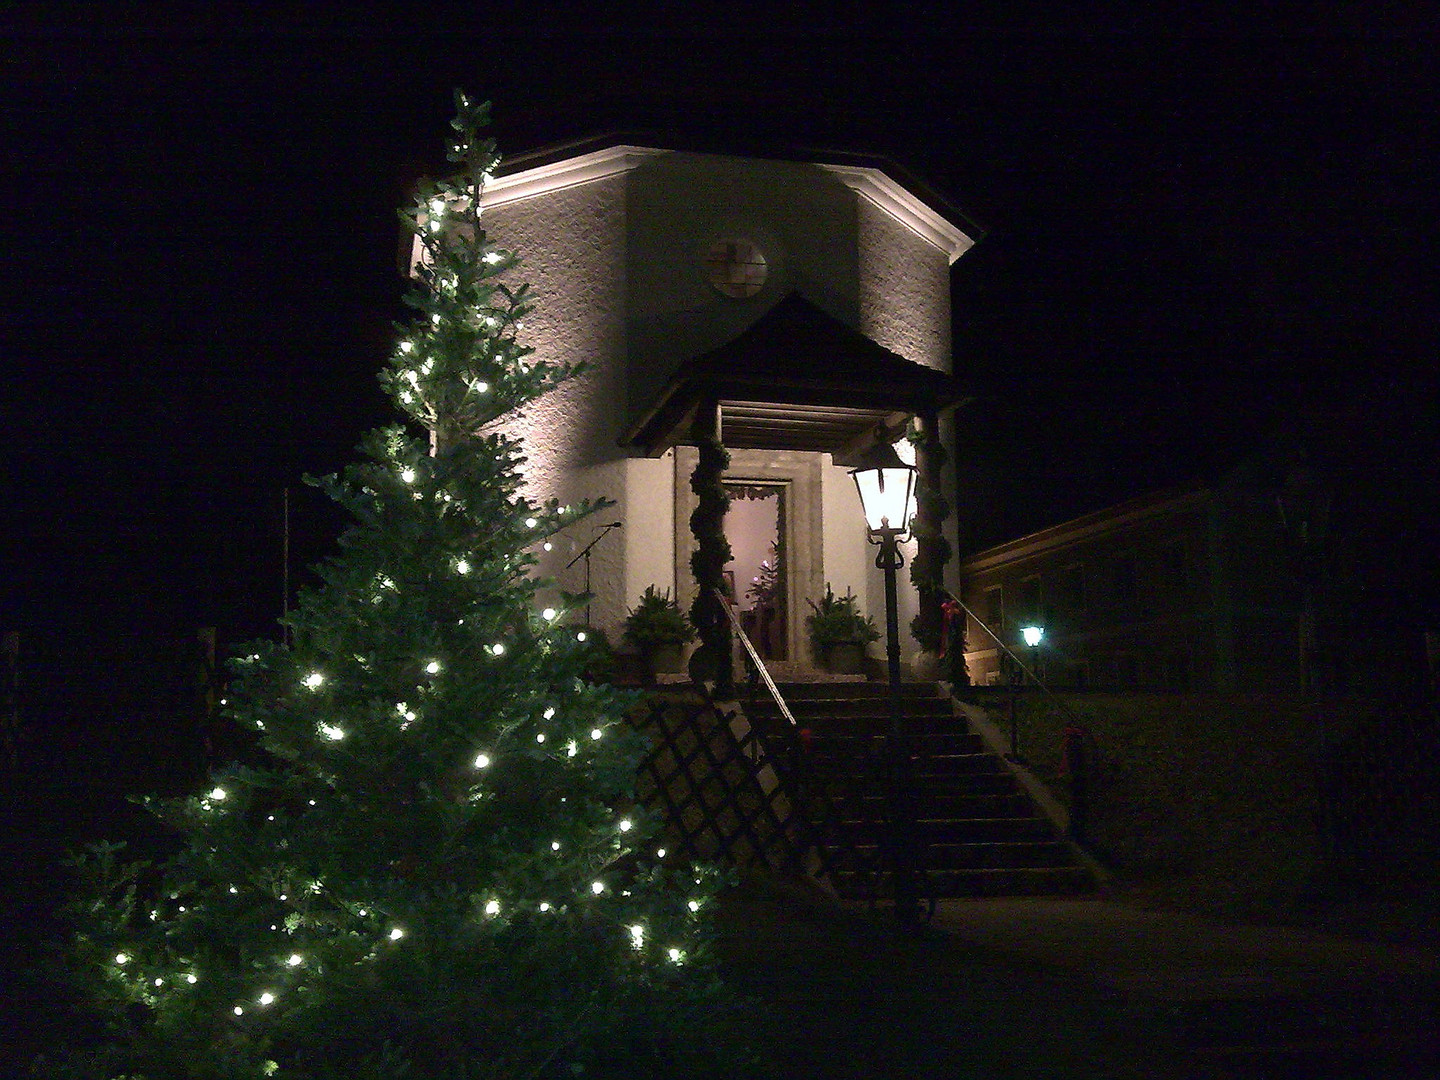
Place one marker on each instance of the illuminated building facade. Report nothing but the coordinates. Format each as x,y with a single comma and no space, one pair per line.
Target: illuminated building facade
800,310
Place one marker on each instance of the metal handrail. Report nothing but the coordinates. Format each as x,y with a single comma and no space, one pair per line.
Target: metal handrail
828,835
1073,741
755,658
1034,678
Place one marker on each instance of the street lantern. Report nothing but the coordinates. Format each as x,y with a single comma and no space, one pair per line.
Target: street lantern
1032,635
887,495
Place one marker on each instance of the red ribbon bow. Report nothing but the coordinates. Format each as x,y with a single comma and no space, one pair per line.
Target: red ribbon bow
950,610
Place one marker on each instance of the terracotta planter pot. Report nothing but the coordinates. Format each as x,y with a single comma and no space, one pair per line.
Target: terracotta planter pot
666,659
845,659
928,667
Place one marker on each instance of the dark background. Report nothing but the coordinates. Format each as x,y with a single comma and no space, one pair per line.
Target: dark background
1200,237
1205,243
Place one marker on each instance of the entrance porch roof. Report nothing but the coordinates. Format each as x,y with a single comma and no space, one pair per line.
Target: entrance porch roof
796,379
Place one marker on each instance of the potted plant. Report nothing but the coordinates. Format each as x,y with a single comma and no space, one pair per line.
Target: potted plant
658,629
839,632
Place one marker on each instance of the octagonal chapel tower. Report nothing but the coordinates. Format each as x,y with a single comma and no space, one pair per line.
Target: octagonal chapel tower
799,309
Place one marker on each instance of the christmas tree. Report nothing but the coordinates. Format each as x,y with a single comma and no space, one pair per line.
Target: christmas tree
432,867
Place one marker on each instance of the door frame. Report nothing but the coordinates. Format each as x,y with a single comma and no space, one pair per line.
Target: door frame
799,471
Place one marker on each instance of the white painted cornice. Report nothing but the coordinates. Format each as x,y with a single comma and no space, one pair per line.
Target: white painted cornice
869,183
556,176
544,179
873,185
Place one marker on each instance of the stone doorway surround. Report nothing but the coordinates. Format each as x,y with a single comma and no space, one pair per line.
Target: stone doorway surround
800,473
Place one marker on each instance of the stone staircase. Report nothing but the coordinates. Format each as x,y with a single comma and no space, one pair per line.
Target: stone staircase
980,834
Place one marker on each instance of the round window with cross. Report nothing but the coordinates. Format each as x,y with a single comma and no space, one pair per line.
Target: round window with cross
737,268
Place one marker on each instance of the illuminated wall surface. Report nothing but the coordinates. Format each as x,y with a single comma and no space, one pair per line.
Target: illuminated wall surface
614,245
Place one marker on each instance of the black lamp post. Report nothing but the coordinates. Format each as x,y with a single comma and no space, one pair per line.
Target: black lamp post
887,494
1032,636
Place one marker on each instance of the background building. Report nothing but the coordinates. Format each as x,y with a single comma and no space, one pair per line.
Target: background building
1189,591
1241,587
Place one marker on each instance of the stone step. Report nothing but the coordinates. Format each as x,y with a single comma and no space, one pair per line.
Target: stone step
934,788
940,805
858,724
824,743
955,883
979,832
923,767
849,691
942,854
833,716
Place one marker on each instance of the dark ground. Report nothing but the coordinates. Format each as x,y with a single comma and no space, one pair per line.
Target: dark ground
1023,988
1061,988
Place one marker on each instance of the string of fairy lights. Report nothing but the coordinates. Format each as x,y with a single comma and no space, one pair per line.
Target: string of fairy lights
288,964
184,974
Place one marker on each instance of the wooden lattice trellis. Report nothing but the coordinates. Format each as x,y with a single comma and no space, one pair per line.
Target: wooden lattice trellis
735,795
723,799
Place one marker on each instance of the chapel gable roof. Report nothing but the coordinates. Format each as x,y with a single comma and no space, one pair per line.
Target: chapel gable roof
797,379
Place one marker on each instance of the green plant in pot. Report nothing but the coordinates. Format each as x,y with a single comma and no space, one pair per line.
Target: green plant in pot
839,632
659,630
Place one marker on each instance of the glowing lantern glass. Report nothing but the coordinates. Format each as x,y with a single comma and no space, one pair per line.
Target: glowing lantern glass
887,492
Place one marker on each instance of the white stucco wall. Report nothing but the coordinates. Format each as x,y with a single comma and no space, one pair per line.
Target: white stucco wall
847,555
904,288
649,526
572,245
904,292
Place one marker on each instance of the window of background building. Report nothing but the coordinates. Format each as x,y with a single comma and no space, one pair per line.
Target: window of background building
1067,593
1127,669
1028,604
1177,671
1073,673
993,610
1125,585
1173,567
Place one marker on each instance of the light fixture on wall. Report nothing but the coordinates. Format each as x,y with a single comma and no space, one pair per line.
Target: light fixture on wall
887,495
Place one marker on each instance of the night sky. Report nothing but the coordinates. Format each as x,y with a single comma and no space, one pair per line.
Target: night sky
1194,237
